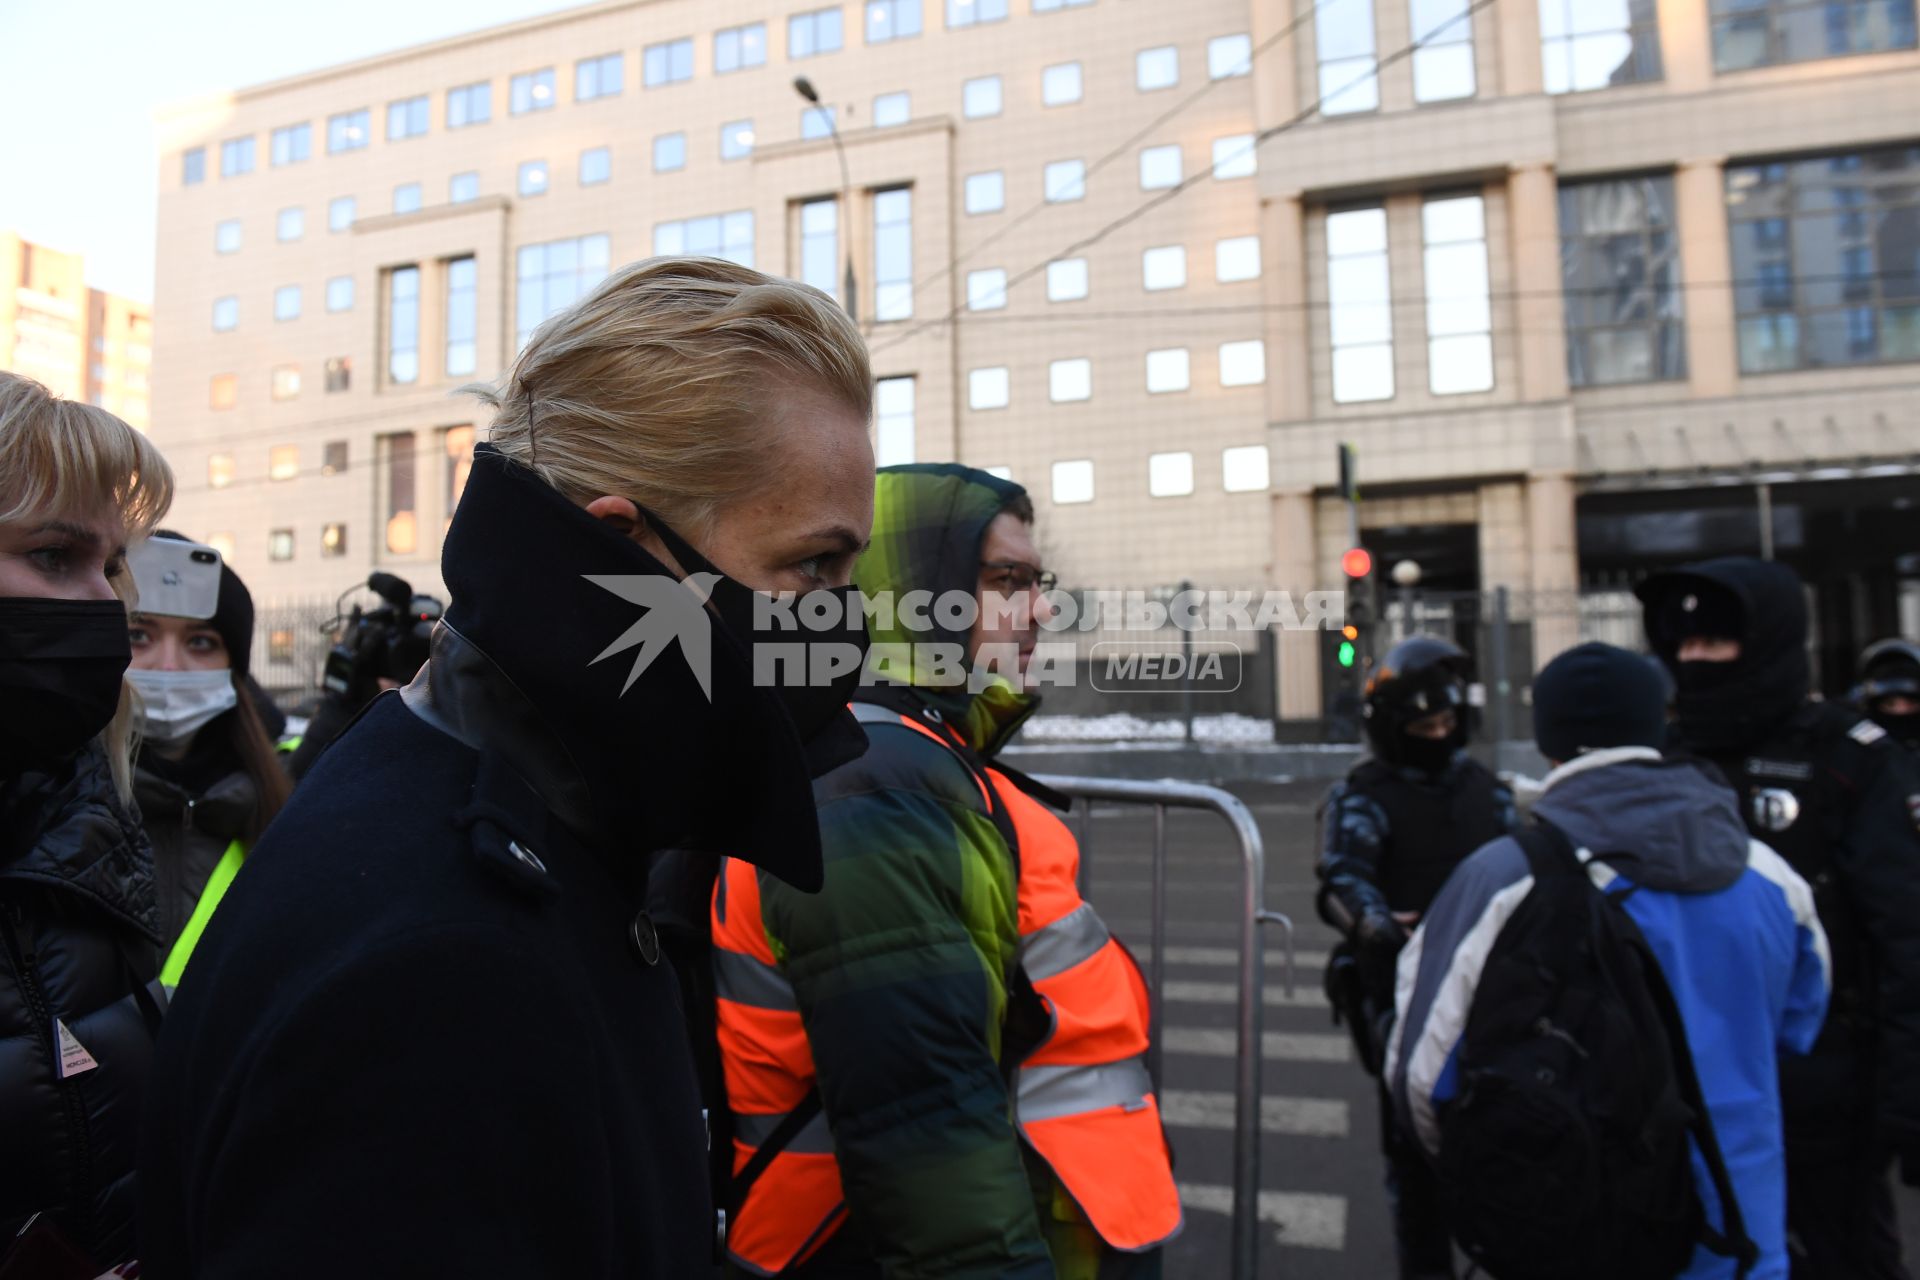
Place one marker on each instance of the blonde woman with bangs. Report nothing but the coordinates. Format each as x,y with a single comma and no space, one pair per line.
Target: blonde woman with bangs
78,929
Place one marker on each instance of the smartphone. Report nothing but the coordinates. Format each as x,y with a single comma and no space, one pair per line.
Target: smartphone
175,579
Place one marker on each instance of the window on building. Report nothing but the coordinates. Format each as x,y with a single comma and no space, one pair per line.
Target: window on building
462,317
738,48
1064,181
333,458
403,325
193,166
1164,267
1168,370
333,540
1443,56
1060,84
1067,280
552,275
463,187
668,62
280,544
1169,475
1070,380
816,122
1051,6
1243,364
1236,258
893,254
987,289
814,33
1585,46
291,144
989,388
892,20
226,236
1620,263
286,302
340,293
530,91
219,470
1459,313
399,459
669,152
986,192
1229,56
1761,33
890,109
407,118
456,447
286,386
718,235
407,198
893,443
339,373
970,13
1156,68
1343,41
290,224
349,130
1245,469
980,98
820,246
224,391
1235,156
531,178
1072,481
1360,308
280,647
340,213
283,460
601,77
596,166
226,314
469,105
1824,254
236,157
1160,167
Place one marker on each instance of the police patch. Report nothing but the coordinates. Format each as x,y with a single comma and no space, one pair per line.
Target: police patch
1775,809
1866,733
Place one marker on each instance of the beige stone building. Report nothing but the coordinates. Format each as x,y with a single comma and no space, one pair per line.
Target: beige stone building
1589,284
80,342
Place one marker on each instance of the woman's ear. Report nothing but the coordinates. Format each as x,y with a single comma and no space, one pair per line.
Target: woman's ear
624,518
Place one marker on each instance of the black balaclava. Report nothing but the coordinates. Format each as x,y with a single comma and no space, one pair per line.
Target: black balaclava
1419,677
1890,669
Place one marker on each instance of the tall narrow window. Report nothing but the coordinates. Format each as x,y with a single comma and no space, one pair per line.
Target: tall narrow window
463,304
457,448
820,246
1359,311
893,422
1443,53
1584,45
1343,39
1459,315
193,166
1620,262
399,454
893,254
403,325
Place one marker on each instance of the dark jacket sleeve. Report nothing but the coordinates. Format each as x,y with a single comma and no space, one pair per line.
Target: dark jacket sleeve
433,1146
1353,840
1880,859
900,967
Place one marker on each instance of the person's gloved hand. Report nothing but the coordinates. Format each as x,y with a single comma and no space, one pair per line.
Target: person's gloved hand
1378,938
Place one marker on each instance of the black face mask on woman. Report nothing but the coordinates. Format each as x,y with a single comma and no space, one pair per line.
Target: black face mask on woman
60,667
828,731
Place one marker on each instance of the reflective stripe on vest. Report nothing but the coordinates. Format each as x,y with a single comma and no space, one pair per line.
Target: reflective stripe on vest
796,1204
223,873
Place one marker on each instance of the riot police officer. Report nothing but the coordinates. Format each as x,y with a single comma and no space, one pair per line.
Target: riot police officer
1831,792
1390,833
1889,689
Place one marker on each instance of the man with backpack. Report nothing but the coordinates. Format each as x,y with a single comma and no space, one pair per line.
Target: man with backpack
1591,1012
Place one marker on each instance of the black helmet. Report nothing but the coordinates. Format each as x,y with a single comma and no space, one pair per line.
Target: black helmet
1889,667
1419,677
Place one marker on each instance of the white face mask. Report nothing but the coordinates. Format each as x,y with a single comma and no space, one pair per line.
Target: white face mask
175,704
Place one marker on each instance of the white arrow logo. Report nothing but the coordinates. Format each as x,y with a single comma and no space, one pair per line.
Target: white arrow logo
674,611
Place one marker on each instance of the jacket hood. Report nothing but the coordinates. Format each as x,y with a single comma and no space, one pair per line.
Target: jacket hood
1675,825
553,669
67,829
1726,710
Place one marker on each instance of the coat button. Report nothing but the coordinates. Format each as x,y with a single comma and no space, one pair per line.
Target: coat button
526,856
646,942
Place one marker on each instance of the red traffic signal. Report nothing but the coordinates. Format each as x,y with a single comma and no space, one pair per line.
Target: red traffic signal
1356,562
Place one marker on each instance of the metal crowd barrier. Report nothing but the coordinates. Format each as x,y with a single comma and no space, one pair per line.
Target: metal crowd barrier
1245,1247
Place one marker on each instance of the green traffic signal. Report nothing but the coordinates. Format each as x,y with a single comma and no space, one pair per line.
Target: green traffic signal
1345,655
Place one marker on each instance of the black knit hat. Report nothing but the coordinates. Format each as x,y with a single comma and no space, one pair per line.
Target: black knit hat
1598,696
233,615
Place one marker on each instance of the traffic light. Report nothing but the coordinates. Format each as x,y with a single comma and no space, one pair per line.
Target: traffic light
1357,564
1346,654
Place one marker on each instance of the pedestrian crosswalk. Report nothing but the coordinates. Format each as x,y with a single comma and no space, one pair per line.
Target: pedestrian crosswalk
1275,1046
1304,1220
1213,1109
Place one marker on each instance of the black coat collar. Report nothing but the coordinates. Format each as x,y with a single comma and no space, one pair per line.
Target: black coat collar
67,829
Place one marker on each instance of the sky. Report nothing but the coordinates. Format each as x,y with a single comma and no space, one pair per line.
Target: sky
81,79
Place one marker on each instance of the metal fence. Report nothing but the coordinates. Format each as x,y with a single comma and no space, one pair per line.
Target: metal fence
290,643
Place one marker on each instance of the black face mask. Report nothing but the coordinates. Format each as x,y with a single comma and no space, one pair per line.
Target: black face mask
815,701
60,668
1430,755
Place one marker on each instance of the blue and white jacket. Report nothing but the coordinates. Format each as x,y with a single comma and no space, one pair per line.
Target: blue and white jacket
1733,927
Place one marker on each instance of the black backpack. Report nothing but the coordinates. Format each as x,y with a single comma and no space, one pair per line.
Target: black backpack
1565,1154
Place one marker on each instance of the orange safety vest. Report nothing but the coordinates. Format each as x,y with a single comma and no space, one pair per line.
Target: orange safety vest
1082,1099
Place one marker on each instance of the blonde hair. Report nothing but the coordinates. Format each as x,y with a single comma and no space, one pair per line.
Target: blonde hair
657,386
61,457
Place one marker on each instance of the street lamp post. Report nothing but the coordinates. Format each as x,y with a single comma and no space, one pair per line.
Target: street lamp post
804,87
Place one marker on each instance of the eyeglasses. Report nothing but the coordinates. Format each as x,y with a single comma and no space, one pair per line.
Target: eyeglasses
1019,577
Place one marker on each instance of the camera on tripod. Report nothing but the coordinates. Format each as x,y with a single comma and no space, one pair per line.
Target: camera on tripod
387,642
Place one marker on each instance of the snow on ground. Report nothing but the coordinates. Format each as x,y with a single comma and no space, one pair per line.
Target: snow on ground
1216,730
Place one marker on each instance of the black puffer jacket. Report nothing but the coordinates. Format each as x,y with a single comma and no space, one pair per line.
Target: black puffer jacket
191,821
78,923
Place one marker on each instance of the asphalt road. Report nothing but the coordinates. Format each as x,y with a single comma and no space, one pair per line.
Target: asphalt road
1322,1209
